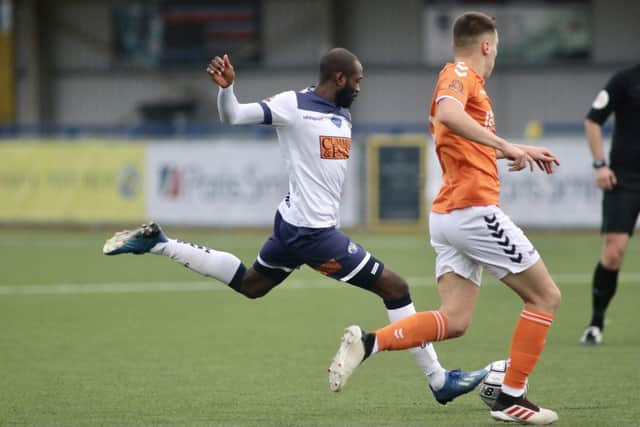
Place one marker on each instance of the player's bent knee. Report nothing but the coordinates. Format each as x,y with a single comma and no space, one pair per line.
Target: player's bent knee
457,327
255,284
254,289
390,286
554,298
548,300
253,292
456,331
398,288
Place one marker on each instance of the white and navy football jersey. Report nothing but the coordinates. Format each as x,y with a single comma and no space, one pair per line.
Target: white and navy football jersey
315,140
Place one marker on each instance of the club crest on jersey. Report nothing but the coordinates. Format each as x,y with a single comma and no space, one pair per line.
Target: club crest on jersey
456,86
334,147
352,248
336,121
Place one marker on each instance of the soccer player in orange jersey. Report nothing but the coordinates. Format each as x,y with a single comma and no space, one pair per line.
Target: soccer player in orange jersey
469,231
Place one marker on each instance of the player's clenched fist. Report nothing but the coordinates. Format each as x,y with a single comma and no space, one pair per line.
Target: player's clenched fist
221,71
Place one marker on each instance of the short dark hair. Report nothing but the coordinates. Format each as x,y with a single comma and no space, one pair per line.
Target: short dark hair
337,60
469,26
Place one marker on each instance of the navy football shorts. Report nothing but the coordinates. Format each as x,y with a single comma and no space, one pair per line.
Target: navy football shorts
327,250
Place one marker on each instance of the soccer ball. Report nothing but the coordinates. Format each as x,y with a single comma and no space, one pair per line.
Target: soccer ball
492,383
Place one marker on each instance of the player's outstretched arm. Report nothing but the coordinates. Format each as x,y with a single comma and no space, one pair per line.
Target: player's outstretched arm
229,109
451,114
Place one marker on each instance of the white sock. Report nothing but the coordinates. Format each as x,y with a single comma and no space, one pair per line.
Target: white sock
208,262
426,356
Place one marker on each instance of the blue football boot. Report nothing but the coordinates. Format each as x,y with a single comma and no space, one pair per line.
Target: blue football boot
137,241
457,382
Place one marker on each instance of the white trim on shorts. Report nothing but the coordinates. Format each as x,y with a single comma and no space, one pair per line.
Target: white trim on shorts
273,267
469,240
356,270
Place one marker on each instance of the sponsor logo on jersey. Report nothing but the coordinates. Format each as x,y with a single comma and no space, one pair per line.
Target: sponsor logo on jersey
334,147
316,118
336,121
490,121
352,248
461,69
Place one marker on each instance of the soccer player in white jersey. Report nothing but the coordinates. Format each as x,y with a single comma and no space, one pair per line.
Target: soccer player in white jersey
314,131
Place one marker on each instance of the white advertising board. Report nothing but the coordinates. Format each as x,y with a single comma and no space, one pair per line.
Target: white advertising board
225,183
566,198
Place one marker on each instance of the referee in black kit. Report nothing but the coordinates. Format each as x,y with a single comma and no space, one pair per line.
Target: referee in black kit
620,181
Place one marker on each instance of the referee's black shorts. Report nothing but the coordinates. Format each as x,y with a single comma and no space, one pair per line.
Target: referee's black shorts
620,208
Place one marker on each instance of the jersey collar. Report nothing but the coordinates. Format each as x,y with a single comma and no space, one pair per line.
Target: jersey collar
309,100
468,68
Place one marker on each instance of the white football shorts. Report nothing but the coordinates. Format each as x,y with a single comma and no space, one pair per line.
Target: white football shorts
468,240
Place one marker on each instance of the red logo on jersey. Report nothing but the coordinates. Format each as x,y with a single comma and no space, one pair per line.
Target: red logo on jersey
334,147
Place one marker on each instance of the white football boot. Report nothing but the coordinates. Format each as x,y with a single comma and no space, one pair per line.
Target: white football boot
521,410
350,354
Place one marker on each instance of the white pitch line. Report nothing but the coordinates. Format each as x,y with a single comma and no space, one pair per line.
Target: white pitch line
105,288
159,287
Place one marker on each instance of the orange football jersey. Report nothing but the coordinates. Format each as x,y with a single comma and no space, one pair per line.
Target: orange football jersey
469,169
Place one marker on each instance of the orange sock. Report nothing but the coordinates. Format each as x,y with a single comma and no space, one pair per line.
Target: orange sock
527,345
413,331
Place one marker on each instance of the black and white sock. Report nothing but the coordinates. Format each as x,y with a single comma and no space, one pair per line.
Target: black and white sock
205,261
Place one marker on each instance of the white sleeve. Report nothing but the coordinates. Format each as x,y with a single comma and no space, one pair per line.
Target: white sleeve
280,109
232,112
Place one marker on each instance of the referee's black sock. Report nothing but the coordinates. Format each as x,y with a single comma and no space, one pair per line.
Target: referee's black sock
605,283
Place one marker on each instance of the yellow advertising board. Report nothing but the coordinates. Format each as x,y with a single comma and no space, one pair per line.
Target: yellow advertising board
83,181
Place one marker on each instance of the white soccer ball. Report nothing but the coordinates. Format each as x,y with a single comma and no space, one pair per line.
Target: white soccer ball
492,383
